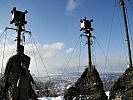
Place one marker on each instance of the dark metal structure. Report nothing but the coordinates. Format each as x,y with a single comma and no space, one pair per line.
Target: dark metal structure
18,18
86,27
123,87
126,30
22,78
89,86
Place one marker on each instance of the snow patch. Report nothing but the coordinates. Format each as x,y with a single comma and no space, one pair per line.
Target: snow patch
107,93
52,98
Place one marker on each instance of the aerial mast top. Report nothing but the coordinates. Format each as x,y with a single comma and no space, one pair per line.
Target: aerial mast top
18,18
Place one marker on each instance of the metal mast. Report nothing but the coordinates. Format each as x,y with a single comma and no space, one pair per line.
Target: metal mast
88,35
18,18
86,26
127,34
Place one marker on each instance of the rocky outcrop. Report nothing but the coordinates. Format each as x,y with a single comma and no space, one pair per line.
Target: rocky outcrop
88,87
123,87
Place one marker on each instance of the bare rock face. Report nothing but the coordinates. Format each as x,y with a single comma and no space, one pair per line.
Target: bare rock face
123,87
88,87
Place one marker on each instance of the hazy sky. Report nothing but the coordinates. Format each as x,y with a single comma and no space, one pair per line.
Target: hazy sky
55,26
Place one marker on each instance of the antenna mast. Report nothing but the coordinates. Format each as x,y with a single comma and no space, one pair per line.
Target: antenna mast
18,18
86,26
127,34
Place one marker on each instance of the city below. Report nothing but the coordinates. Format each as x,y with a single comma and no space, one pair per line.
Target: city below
55,84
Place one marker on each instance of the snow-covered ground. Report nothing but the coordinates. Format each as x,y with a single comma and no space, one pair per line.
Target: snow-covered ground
107,93
61,97
52,98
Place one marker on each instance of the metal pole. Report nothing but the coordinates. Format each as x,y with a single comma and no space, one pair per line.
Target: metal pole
88,35
19,30
127,35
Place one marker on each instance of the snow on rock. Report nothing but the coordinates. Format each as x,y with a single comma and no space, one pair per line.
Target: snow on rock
107,93
51,98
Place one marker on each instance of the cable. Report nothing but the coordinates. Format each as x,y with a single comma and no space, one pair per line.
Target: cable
131,4
112,21
35,57
104,54
3,32
3,55
121,31
80,54
67,63
130,35
129,29
34,43
93,52
41,58
71,55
